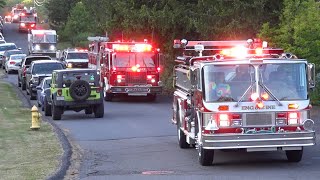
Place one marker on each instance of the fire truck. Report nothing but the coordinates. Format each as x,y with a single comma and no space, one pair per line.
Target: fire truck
127,68
242,95
27,21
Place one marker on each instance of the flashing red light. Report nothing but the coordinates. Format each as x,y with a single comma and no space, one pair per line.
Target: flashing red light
224,120
259,51
149,77
134,68
260,105
281,115
158,69
22,14
22,24
12,62
119,76
114,69
120,47
265,96
32,25
133,48
254,96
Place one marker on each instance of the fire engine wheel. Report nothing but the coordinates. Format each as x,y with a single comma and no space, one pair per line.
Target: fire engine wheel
80,90
56,112
47,108
205,156
294,155
98,110
182,138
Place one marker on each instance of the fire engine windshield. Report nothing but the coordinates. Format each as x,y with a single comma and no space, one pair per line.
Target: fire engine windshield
27,18
227,83
77,56
132,59
285,81
44,38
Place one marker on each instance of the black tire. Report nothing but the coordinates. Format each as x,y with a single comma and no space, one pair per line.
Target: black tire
23,85
19,82
294,155
47,108
205,156
80,90
182,138
56,112
32,96
88,110
108,96
98,110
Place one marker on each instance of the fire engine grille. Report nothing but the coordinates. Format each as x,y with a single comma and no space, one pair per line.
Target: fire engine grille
259,119
136,77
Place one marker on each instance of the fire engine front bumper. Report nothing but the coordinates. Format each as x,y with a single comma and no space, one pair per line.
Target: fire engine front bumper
136,90
265,140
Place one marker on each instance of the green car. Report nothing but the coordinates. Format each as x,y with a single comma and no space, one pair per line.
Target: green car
74,89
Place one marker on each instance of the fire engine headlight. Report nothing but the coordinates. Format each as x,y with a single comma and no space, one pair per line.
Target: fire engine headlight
69,65
37,47
52,48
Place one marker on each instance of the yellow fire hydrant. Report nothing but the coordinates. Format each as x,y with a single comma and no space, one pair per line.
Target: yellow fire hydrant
35,118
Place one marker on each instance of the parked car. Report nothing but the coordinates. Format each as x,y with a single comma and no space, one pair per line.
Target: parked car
8,53
74,89
42,90
37,71
25,63
13,61
4,47
2,41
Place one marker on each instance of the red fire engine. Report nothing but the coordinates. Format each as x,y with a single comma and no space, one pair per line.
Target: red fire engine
127,68
236,95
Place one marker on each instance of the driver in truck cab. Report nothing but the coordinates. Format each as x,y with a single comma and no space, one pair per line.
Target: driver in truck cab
218,88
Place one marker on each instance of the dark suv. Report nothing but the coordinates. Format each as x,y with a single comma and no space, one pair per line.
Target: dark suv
24,65
75,89
37,71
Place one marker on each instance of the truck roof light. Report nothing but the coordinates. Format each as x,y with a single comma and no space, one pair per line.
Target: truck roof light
254,96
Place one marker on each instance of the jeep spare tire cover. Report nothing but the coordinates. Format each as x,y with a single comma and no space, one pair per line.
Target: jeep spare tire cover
80,90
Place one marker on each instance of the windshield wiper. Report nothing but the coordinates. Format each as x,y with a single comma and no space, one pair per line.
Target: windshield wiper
250,87
264,87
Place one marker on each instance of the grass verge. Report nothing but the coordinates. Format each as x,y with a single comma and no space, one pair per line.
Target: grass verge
24,154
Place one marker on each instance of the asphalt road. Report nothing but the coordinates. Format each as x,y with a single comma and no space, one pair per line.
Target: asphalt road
135,140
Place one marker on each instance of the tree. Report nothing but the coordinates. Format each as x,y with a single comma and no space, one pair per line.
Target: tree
58,11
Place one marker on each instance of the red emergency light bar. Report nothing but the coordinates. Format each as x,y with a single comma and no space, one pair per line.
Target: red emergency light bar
132,47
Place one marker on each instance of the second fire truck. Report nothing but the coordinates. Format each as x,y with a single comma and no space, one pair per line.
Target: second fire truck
236,95
127,68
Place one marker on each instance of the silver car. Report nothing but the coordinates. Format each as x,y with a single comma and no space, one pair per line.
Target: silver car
12,63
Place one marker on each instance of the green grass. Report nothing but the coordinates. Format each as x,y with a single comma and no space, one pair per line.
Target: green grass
24,154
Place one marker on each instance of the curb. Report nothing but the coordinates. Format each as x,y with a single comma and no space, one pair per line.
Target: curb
65,161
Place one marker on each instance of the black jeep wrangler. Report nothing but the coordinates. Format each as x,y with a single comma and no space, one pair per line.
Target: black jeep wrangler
74,89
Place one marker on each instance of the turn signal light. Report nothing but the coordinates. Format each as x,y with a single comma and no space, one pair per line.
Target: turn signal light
223,108
293,106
